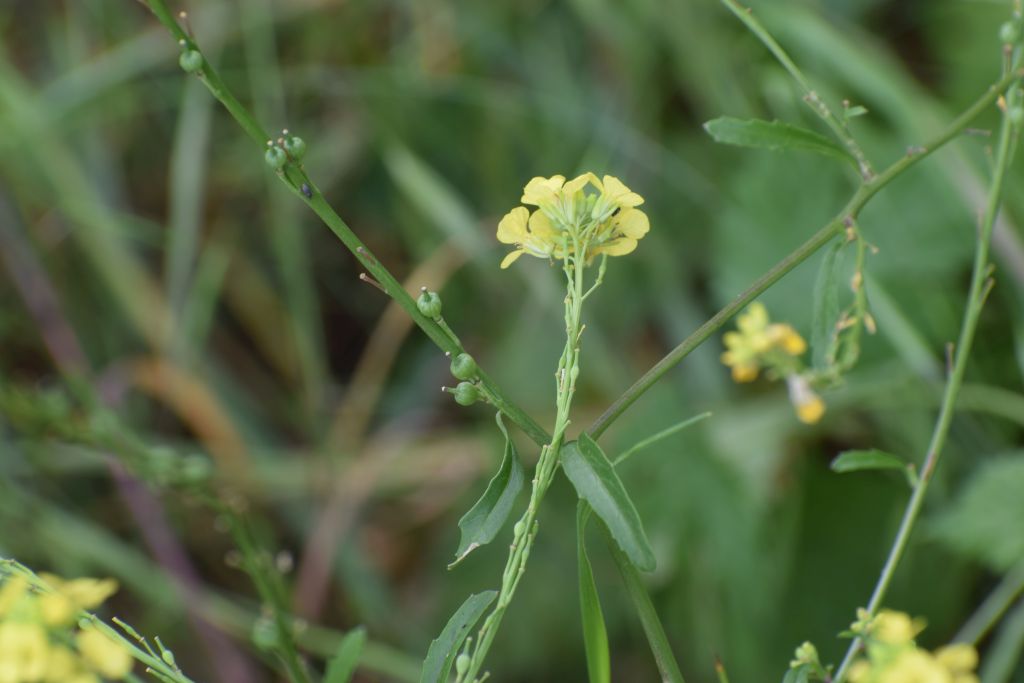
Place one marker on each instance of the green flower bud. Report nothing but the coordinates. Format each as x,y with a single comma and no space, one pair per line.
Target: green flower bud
1009,32
462,664
264,634
466,393
276,158
429,304
191,61
1016,115
168,658
295,146
463,366
518,529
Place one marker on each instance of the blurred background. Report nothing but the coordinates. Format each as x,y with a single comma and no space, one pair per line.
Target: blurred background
158,283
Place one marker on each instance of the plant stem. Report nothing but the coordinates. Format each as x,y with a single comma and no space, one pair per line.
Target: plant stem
547,465
819,239
811,97
981,284
993,608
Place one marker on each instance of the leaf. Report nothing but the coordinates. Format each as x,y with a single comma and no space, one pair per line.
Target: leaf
773,135
869,459
596,482
488,515
797,675
595,635
343,663
445,647
826,308
984,521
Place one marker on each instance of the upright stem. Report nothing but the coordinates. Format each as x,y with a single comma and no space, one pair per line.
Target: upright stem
526,528
981,284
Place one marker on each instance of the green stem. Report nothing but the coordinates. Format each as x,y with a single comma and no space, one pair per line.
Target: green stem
819,239
811,97
547,465
981,284
993,608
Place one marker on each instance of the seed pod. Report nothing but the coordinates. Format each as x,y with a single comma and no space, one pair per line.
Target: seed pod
295,146
463,366
429,304
276,158
466,393
191,61
168,658
462,664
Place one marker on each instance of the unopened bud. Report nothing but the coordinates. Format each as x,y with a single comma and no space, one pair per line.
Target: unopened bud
429,304
463,366
276,157
466,393
191,61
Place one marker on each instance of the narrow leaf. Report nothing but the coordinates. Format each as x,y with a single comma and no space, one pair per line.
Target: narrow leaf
445,647
596,482
595,635
343,665
488,515
872,459
773,135
826,308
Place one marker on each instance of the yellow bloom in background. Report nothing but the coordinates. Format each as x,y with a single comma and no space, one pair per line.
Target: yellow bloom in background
893,656
809,406
108,657
62,605
755,338
24,652
568,217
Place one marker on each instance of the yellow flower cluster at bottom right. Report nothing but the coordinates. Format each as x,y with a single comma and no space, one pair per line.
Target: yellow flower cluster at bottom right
894,657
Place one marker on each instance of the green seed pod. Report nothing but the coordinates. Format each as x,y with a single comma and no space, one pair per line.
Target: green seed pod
466,393
1016,115
168,658
429,304
1009,32
518,529
295,146
191,61
462,664
463,366
276,158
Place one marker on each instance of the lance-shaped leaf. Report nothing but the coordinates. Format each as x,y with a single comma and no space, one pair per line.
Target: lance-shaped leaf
596,482
343,664
445,647
774,135
826,308
595,635
488,515
872,459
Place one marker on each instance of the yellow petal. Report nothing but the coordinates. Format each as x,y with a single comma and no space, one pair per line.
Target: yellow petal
12,591
732,339
541,227
616,247
540,191
579,182
511,258
810,411
619,194
789,339
754,319
744,372
512,228
959,658
632,223
106,656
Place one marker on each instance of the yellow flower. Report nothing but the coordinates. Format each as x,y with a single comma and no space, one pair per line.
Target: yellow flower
65,667
569,218
895,628
11,593
108,657
914,666
24,650
756,338
62,605
809,406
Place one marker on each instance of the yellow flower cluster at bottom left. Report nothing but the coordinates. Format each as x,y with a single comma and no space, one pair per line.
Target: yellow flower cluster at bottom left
40,641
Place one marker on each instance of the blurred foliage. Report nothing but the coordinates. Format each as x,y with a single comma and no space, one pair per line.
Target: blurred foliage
152,265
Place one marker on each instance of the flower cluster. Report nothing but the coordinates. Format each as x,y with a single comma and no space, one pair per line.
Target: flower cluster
41,641
569,218
758,343
894,657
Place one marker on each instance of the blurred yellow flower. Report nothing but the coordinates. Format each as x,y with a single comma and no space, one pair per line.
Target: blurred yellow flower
24,651
893,656
108,657
809,406
568,218
756,338
68,597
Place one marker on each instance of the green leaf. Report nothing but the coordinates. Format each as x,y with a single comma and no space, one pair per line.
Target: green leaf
854,112
596,482
984,522
445,647
826,308
798,675
488,515
870,459
773,135
595,635
343,663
